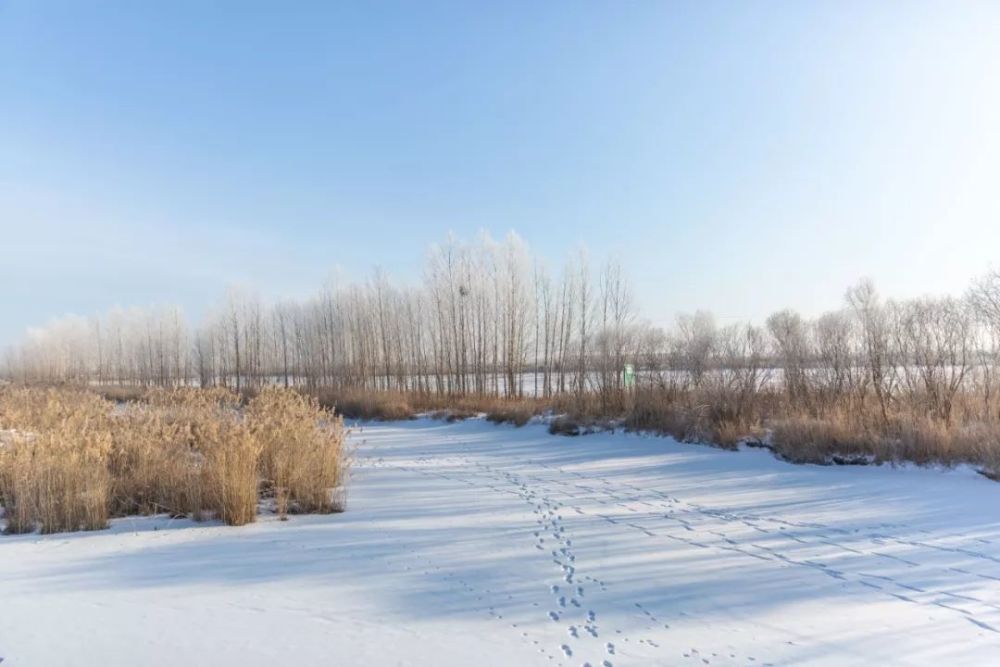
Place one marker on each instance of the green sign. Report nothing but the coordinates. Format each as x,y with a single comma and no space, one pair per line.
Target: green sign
628,375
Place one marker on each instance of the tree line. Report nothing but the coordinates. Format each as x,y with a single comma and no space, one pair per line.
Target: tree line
489,319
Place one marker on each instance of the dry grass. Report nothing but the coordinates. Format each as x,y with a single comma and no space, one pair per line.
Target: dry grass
392,406
367,405
918,439
814,440
69,460
692,417
229,480
120,394
497,409
52,472
517,413
822,430
302,450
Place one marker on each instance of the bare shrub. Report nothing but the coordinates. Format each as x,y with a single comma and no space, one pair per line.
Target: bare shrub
564,426
728,434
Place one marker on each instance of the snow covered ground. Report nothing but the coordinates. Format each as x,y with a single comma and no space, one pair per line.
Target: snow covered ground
473,544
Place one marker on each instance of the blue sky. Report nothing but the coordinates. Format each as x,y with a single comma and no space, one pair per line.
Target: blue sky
741,157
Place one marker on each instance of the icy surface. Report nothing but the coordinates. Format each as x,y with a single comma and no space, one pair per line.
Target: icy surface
473,544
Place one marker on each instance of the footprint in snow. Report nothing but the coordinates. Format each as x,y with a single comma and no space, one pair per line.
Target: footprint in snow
554,615
567,650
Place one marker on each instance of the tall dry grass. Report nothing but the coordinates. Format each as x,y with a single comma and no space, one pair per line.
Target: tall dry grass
69,460
838,436
53,475
302,451
824,429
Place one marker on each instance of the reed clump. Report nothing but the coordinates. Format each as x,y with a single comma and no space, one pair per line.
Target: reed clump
53,475
301,451
70,460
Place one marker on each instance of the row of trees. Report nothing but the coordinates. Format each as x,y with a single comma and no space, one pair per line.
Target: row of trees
488,319
923,355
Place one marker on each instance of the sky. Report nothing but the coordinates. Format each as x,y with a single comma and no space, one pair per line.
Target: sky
739,157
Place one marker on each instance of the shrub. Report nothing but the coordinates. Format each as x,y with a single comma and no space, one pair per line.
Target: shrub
564,426
517,413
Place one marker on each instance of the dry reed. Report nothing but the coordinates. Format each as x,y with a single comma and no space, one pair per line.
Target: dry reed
69,459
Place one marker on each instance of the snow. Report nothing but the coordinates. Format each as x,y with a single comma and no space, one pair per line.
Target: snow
475,544
7,436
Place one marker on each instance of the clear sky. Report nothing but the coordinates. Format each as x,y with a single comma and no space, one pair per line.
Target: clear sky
741,157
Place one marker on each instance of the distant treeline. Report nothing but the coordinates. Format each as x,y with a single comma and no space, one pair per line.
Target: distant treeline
490,320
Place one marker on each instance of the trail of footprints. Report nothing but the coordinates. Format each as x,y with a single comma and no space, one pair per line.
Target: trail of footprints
702,527
463,584
568,593
550,535
693,518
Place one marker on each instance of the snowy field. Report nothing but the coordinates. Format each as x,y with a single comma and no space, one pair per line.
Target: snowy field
473,544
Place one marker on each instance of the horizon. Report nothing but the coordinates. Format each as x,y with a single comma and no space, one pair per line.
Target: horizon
738,159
